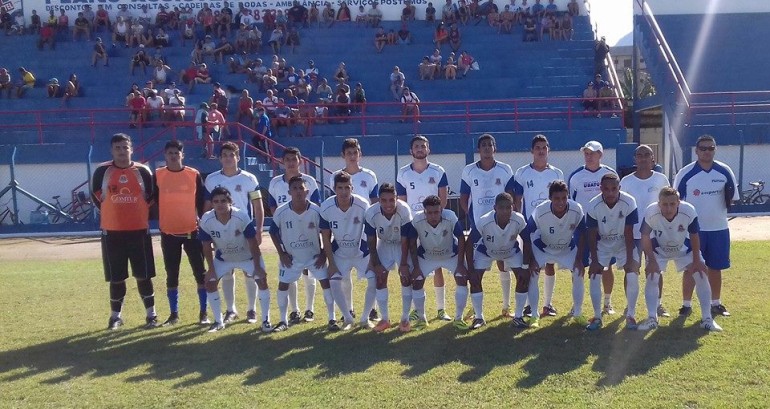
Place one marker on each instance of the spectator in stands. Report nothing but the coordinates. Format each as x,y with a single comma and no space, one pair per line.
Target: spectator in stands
450,69
82,26
270,102
530,30
242,39
62,24
284,117
100,53
537,10
170,91
375,15
161,73
124,13
208,47
494,20
449,13
327,16
120,34
35,24
362,19
344,14
486,8
137,103
341,72
52,88
47,36
280,19
455,39
5,82
547,25
162,18
175,108
463,12
565,26
6,21
303,87
606,100
430,14
426,68
324,91
147,38
26,81
220,98
410,105
201,121
590,105
404,36
140,59
255,40
202,76
222,49
162,38
380,39
269,80
441,35
312,73
601,49
292,39
245,106
465,62
314,15
261,124
217,126
391,36
102,19
507,18
276,39
136,34
223,24
437,60
397,81
188,32
408,12
155,105
359,97
573,8
342,104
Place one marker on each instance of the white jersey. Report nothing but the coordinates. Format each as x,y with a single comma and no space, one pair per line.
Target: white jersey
552,234
671,239
585,184
229,238
708,191
299,233
417,186
611,222
389,231
533,184
483,186
645,192
495,242
364,183
278,190
440,242
347,227
243,187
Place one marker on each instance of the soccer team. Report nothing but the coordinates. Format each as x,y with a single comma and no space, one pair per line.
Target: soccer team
523,222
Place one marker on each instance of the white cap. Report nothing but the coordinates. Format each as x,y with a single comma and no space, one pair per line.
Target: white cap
593,146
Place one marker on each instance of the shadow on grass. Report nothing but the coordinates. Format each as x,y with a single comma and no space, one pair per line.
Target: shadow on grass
189,356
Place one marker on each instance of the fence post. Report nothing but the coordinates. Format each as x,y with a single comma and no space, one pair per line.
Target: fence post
39,127
88,178
14,198
321,163
741,160
395,161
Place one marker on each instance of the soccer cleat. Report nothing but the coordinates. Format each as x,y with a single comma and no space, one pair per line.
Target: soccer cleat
507,313
251,317
405,326
420,325
374,315
685,311
662,312
217,326
608,310
580,320
203,318
648,324
478,323
534,322
631,323
173,319
151,322
548,311
366,324
333,326
266,327
280,327
413,316
460,325
382,326
710,325
309,316
347,326
518,322
528,311
717,310
294,318
353,314
230,316
114,323
594,324
443,316
470,314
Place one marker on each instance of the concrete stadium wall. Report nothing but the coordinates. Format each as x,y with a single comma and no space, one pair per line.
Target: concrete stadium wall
705,6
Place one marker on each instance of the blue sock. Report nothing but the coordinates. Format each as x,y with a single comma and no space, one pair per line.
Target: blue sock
173,300
202,298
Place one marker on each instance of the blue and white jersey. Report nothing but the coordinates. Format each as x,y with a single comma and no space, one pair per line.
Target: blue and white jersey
671,239
347,227
552,234
417,186
483,186
298,232
644,191
389,231
440,242
533,184
278,190
584,184
495,242
364,183
243,187
229,238
611,222
708,191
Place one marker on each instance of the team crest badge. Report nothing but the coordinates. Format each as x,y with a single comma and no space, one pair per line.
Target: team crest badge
498,182
237,233
572,226
363,183
680,228
444,233
311,225
123,179
620,215
356,220
432,180
513,237
238,188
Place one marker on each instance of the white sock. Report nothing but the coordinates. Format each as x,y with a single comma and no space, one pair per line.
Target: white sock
418,297
534,295
264,304
477,299
216,305
703,289
329,301
282,297
406,302
347,292
549,284
505,283
293,297
632,293
228,289
595,288
369,295
339,297
461,300
251,292
382,302
521,299
686,303
440,297
607,299
310,285
578,293
651,295
716,302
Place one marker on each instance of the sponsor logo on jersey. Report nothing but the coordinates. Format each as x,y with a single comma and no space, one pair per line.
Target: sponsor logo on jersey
124,197
347,242
592,183
301,243
232,249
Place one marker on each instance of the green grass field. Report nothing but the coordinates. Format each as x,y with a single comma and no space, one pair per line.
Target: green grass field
56,353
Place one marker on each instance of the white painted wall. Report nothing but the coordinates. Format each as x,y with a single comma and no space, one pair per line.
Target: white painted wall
706,6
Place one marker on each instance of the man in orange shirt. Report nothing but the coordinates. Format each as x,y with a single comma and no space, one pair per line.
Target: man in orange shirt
122,190
179,192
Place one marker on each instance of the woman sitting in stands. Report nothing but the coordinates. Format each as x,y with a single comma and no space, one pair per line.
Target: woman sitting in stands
148,38
464,63
161,38
72,89
343,14
203,76
341,73
441,36
327,16
590,105
450,69
427,69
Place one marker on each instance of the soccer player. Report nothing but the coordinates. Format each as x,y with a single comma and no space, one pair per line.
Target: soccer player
229,237
246,195
386,226
342,228
554,236
710,186
530,187
295,231
610,219
414,183
441,238
278,194
180,194
584,185
122,190
644,185
481,182
495,237
670,231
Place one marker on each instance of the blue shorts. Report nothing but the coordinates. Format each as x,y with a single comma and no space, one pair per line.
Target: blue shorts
715,248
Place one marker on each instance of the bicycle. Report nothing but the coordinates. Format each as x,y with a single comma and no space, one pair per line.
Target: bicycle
10,215
79,210
754,196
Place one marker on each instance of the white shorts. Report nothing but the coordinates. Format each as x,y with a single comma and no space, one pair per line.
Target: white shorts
223,268
390,256
620,257
346,266
565,260
483,262
293,273
680,262
429,266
